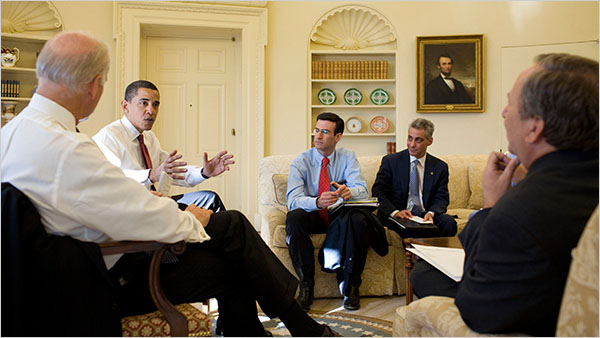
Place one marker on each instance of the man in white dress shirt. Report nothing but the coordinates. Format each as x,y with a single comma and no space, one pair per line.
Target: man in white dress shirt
121,142
79,193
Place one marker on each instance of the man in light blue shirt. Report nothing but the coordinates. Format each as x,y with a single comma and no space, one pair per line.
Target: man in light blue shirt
319,178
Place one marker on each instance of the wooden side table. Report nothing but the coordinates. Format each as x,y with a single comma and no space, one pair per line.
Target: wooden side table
447,242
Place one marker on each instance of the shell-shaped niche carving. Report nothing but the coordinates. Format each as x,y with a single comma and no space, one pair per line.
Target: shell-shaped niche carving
23,16
352,27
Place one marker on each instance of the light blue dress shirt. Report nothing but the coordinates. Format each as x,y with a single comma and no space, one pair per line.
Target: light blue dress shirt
303,180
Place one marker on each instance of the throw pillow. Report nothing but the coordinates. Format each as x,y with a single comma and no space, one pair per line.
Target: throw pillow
476,168
280,185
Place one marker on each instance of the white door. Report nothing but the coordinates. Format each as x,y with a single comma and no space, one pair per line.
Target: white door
198,110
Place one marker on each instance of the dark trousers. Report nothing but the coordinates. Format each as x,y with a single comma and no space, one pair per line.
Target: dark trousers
235,266
446,227
300,224
429,281
203,199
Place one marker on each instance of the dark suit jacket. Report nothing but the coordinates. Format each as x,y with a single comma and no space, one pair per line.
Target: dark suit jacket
393,177
438,92
518,253
51,285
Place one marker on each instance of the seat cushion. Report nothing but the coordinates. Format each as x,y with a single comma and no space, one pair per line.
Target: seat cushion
155,325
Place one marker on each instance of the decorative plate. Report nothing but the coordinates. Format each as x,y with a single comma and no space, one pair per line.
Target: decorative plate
380,124
354,125
379,96
326,96
353,96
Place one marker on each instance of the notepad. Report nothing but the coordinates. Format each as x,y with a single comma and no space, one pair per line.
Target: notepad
371,203
164,184
409,224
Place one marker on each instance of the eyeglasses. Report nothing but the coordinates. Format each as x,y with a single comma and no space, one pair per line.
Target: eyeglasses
323,131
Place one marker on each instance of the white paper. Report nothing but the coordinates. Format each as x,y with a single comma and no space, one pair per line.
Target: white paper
450,261
164,184
420,220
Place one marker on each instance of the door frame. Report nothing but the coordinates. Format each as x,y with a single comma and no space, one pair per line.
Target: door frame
252,23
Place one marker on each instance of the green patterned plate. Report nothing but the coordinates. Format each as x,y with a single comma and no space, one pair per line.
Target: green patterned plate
353,96
327,96
379,96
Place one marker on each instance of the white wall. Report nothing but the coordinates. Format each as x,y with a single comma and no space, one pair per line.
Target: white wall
502,23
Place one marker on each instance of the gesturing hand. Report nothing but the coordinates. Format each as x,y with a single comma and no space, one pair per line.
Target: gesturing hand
497,177
218,164
170,166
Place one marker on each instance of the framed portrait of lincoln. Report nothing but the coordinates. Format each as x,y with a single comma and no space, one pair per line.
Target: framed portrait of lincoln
450,74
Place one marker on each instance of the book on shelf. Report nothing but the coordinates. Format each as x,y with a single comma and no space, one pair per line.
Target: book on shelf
413,223
450,261
370,203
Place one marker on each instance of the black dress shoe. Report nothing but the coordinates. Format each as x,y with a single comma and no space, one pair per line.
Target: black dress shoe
352,298
328,332
306,297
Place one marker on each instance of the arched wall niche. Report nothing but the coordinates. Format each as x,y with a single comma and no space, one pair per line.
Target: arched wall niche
27,17
352,27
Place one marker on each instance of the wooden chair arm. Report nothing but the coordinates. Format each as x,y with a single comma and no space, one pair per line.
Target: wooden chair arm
177,321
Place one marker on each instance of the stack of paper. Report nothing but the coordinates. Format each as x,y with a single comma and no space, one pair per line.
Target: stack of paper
450,261
367,203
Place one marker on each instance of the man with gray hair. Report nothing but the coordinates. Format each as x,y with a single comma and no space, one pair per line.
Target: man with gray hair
78,193
415,183
518,247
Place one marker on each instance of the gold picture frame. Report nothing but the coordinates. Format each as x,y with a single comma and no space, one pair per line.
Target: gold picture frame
461,67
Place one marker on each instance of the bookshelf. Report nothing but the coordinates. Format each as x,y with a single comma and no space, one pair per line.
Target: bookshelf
354,72
24,70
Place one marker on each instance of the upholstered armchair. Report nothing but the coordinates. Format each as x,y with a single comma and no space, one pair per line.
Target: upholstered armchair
59,286
578,316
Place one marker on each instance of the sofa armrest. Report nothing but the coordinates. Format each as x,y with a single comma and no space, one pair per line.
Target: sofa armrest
272,217
432,316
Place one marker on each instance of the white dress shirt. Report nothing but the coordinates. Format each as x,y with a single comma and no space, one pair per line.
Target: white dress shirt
76,191
449,82
119,143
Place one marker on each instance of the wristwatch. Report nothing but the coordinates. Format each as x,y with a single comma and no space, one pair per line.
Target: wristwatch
202,173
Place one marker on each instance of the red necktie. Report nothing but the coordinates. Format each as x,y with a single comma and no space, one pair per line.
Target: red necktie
145,153
323,187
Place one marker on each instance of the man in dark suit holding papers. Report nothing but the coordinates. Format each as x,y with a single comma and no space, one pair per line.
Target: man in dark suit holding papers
414,183
518,247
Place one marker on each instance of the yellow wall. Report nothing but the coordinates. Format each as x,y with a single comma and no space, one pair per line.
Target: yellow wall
286,59
96,18
502,23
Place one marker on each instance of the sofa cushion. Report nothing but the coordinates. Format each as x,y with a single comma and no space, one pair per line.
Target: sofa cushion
280,187
458,176
476,167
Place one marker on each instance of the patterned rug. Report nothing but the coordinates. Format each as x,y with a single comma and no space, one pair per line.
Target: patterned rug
348,325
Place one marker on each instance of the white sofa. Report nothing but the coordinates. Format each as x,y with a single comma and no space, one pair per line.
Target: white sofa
382,275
